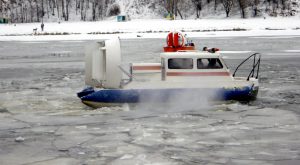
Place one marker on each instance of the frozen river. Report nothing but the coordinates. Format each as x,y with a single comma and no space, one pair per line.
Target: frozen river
39,108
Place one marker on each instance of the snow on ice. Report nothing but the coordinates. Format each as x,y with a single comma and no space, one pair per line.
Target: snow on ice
152,29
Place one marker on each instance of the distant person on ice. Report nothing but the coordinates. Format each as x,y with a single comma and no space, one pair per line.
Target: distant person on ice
42,27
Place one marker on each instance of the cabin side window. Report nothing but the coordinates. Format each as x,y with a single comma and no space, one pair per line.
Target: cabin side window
209,63
180,63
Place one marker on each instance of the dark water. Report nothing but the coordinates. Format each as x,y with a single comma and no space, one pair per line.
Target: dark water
38,86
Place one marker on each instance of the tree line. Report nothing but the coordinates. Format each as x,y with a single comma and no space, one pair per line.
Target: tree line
246,8
38,10
23,11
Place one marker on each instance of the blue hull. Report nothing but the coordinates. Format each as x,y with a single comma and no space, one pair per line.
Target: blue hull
120,96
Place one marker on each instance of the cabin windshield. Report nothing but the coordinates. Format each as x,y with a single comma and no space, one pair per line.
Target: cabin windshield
209,63
180,63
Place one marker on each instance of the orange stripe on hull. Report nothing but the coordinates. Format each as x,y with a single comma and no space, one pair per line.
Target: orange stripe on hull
198,74
146,67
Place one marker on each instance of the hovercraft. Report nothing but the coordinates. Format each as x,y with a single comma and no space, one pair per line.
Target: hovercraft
182,71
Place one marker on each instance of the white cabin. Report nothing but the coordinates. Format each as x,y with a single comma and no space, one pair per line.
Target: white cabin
186,69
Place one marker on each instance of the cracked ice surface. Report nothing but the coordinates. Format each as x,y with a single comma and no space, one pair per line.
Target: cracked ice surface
38,103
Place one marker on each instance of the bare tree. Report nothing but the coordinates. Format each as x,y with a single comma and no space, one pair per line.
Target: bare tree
5,8
47,8
53,2
94,8
198,5
82,10
42,12
67,10
170,6
2,7
114,10
177,8
173,8
255,8
31,10
215,6
77,5
63,9
228,4
57,8
101,7
20,9
243,4
12,8
36,10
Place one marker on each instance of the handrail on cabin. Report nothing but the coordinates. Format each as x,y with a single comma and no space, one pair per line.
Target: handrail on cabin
256,65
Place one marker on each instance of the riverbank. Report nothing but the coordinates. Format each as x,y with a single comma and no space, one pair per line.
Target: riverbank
155,28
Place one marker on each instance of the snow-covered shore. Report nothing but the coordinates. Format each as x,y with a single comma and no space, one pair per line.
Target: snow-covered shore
152,29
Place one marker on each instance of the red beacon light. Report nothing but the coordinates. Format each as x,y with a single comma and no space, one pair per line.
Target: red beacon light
177,42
